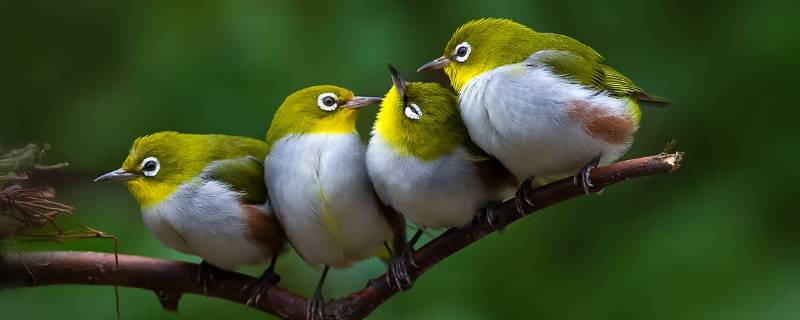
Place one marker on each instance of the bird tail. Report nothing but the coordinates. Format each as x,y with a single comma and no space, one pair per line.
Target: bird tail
653,101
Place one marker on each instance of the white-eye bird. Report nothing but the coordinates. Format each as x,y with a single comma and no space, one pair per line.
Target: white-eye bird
319,187
205,195
544,104
422,162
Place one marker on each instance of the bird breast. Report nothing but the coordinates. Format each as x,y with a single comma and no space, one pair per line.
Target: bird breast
320,191
205,218
445,192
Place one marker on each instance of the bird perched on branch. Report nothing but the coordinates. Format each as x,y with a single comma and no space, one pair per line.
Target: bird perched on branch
205,195
320,189
544,104
422,162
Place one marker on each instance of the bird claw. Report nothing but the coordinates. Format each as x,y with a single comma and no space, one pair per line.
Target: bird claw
205,275
521,196
488,215
410,257
315,307
397,276
583,178
261,286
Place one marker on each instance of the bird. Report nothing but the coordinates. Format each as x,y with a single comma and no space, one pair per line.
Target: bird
422,162
320,189
544,104
204,195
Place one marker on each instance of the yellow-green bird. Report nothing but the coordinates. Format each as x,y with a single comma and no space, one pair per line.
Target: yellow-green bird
319,187
205,195
544,104
422,162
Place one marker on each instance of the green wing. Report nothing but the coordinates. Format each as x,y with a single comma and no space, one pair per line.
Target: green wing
245,175
589,70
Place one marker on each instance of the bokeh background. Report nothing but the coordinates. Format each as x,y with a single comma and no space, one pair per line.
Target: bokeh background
718,239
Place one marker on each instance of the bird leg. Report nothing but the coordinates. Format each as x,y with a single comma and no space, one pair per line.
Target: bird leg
316,304
582,178
522,196
205,275
263,283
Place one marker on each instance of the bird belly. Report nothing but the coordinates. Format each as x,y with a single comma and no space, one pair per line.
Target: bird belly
205,218
446,192
530,119
321,193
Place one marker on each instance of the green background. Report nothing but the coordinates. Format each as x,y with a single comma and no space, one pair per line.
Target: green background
716,240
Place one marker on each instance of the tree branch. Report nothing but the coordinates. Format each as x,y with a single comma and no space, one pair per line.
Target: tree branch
360,304
170,279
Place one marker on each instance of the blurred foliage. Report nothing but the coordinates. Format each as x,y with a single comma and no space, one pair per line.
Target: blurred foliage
716,240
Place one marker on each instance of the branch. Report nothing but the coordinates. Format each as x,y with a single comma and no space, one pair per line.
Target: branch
360,304
170,279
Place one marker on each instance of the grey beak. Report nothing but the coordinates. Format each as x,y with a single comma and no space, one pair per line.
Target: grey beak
398,81
437,63
116,175
360,102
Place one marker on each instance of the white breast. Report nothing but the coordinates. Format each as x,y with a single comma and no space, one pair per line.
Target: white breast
322,196
204,218
517,113
446,192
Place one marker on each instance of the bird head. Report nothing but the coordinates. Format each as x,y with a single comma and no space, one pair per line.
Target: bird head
160,162
318,109
419,119
482,45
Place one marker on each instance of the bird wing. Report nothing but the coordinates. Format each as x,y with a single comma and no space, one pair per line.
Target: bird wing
589,71
244,175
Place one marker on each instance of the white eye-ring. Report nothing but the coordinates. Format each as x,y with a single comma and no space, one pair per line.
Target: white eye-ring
327,101
150,166
462,52
413,111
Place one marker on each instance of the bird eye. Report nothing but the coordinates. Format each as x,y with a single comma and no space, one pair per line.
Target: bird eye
462,52
413,111
150,166
327,101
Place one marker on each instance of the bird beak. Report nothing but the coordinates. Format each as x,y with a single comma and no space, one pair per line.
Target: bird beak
358,102
436,64
398,81
116,175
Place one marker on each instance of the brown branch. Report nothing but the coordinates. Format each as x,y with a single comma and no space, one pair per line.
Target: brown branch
360,304
168,279
171,279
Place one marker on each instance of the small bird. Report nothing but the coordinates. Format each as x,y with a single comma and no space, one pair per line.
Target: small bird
205,195
319,187
422,162
544,104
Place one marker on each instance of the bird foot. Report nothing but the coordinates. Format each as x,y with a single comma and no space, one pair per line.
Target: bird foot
521,196
260,286
583,178
315,307
398,276
487,214
205,275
